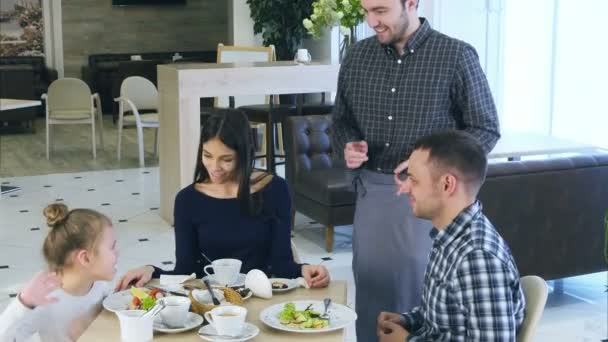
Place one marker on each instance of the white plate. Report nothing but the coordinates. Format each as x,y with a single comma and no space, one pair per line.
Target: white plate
291,284
117,301
340,316
192,321
240,281
250,331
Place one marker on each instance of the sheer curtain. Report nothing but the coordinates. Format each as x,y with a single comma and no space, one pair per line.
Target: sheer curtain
555,69
546,61
580,110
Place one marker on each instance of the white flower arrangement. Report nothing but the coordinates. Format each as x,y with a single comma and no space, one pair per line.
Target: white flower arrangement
328,13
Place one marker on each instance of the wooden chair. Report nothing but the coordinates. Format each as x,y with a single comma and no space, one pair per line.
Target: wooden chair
238,54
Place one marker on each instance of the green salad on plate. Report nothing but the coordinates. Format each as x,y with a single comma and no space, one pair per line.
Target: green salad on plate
302,319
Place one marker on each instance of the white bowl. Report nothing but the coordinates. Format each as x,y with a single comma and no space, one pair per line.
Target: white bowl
203,296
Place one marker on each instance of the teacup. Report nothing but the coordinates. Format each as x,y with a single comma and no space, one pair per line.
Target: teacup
227,320
225,271
175,312
303,56
134,326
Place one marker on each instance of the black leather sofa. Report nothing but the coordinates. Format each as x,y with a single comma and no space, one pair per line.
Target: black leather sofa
43,76
17,82
24,77
550,212
102,72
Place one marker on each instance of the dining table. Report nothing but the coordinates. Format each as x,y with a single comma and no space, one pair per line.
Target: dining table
106,327
10,104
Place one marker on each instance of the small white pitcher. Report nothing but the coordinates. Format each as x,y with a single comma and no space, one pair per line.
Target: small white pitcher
134,326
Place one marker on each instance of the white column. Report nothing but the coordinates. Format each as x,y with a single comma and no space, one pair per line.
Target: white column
240,25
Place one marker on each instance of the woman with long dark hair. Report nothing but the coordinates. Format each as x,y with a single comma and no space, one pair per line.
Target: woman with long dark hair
230,211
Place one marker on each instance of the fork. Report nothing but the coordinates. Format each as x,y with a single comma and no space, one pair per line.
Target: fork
325,315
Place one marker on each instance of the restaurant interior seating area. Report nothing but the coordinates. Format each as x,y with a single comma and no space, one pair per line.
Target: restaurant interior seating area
105,116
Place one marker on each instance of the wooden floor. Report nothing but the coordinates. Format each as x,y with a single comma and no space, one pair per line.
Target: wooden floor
23,154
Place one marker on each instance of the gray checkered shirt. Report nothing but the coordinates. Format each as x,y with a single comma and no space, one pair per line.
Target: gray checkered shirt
390,101
472,289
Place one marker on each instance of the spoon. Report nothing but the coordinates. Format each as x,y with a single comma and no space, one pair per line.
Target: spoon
160,305
325,315
203,254
215,300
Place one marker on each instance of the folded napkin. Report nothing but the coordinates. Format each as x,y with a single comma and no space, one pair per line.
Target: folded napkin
301,282
173,280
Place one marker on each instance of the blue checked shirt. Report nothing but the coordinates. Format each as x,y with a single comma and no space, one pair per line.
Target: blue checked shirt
390,101
471,287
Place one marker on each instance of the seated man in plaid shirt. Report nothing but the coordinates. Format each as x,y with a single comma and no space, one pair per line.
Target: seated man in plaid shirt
471,286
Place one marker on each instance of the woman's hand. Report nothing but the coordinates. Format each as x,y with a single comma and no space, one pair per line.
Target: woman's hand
140,275
37,290
315,275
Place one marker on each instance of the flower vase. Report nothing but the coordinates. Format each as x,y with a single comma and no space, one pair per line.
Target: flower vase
348,40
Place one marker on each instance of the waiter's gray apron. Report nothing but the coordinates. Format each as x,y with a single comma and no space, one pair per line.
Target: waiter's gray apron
390,252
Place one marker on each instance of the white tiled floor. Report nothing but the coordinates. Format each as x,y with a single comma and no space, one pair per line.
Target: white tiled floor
131,199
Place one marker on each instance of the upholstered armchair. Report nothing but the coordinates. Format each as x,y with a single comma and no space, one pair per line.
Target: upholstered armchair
320,185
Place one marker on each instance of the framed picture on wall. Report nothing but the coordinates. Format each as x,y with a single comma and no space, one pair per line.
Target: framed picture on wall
21,28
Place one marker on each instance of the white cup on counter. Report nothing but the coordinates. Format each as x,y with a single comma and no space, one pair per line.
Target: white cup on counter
303,56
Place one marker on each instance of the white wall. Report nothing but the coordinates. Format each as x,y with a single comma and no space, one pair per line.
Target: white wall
240,25
53,35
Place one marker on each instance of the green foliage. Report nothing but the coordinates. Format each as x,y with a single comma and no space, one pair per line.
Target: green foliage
280,23
29,16
327,13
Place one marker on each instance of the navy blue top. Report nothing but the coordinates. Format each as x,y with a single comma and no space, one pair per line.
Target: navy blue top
219,228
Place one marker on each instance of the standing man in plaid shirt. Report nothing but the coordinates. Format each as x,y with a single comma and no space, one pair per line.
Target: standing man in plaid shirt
406,82
471,288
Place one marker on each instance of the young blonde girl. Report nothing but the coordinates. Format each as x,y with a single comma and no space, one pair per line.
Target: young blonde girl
59,304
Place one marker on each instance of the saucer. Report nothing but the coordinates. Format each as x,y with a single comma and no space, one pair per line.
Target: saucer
249,331
240,281
192,321
289,284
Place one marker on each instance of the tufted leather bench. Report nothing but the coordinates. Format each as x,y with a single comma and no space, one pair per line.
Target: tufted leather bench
550,212
320,185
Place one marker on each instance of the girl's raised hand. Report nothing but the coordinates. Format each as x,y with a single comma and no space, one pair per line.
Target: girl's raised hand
38,289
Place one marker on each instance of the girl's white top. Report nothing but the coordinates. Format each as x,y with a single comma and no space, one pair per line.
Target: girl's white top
62,321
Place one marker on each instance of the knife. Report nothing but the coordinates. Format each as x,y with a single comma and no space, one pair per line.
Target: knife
166,291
